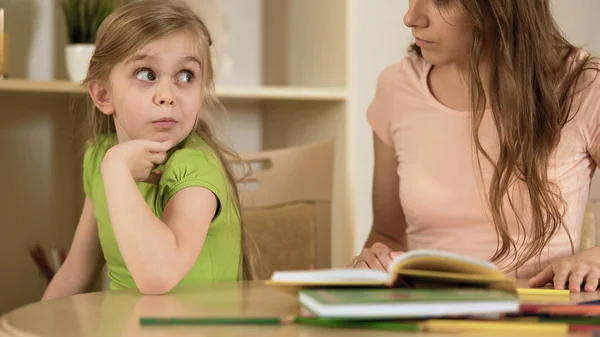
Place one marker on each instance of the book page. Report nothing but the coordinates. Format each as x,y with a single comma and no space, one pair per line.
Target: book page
331,276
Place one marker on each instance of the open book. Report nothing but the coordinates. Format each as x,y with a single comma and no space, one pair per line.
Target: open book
414,269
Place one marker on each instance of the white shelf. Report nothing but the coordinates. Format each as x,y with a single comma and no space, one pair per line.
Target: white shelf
275,93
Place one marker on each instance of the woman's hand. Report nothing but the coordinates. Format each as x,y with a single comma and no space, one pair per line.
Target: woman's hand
378,257
581,269
139,157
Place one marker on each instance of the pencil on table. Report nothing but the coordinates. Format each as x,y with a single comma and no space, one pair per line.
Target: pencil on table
324,322
543,291
464,326
215,320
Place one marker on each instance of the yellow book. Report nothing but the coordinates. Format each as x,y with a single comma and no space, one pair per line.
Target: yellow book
415,269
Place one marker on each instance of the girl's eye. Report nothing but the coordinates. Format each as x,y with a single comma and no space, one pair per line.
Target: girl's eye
185,76
145,75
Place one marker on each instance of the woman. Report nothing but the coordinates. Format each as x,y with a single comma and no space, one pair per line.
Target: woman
486,137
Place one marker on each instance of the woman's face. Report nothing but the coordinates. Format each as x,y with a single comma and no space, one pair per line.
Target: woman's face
442,29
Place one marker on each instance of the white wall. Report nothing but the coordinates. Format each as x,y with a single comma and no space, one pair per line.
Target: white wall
243,67
579,22
381,38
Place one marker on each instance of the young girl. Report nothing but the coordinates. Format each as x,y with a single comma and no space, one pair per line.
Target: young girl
160,207
486,138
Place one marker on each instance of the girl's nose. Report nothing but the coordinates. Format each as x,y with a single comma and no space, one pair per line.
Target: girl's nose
165,96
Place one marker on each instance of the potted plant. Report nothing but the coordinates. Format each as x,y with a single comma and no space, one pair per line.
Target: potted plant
83,18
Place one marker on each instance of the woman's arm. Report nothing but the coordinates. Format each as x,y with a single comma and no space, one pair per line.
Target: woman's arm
158,253
577,272
84,261
388,232
389,222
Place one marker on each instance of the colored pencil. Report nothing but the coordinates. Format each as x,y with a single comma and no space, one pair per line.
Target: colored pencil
434,325
571,320
372,325
147,321
543,291
584,327
39,257
573,310
324,322
466,326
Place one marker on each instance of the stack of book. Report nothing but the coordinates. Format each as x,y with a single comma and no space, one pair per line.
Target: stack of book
436,291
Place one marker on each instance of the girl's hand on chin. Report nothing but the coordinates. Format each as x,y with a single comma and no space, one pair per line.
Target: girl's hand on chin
136,157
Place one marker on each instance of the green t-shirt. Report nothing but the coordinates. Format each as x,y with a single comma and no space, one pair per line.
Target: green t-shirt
191,163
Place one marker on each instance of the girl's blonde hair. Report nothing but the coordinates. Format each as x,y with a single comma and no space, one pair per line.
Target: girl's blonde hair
127,30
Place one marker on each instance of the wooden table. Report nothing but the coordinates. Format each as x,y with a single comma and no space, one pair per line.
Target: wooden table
117,313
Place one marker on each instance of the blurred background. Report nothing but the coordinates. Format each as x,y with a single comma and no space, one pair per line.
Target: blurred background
290,72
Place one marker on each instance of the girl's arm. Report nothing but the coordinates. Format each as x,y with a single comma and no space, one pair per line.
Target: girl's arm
158,253
389,222
84,261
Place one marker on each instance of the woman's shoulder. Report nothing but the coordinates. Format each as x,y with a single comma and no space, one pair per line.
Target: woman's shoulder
411,65
586,66
408,73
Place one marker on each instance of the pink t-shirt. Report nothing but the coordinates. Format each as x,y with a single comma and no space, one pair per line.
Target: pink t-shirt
440,191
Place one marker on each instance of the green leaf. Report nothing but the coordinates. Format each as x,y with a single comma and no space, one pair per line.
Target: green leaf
84,17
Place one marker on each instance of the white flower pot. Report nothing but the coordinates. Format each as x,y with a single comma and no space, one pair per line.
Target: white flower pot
78,59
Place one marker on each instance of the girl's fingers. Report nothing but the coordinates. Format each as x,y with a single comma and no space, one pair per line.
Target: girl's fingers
158,157
152,146
154,178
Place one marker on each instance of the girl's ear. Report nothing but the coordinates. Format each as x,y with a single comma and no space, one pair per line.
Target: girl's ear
99,93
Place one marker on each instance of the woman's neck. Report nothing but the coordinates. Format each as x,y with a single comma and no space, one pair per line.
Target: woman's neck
450,84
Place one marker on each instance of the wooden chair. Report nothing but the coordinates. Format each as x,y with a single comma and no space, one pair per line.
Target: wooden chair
286,206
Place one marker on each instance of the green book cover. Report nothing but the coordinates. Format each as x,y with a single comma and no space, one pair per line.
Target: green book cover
342,296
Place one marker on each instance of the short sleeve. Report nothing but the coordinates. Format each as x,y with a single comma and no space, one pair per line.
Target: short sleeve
590,114
92,158
88,169
380,110
585,108
187,168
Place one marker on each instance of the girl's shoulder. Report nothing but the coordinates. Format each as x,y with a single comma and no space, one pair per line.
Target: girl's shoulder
96,149
194,163
192,159
101,144
194,148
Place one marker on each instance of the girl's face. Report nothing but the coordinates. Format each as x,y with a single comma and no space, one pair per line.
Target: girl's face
442,29
156,94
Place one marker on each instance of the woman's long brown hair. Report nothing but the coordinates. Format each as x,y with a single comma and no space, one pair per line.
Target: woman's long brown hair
534,73
125,32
